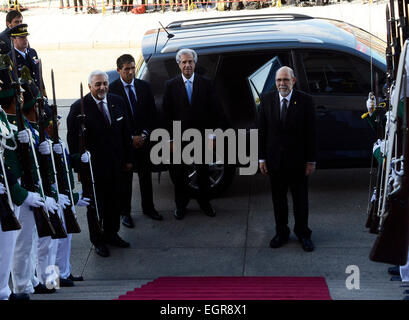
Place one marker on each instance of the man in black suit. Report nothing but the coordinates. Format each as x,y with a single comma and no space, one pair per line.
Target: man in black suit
107,138
190,99
287,153
141,111
13,18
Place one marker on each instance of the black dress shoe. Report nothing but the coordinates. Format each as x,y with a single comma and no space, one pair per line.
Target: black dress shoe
153,214
117,241
127,221
208,210
278,241
71,277
102,250
179,214
42,289
19,296
307,244
394,271
66,282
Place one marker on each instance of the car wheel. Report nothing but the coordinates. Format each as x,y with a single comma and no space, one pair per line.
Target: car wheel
221,176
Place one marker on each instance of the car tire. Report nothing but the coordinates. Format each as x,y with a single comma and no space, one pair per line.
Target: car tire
221,178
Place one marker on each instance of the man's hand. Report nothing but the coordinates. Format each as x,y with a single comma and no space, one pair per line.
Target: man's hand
137,141
309,169
263,167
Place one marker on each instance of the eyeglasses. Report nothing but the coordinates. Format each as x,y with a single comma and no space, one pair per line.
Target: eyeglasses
283,80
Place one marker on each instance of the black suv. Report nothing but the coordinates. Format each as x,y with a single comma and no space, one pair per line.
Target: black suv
332,61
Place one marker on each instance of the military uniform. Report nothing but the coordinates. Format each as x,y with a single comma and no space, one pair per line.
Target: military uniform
18,195
29,58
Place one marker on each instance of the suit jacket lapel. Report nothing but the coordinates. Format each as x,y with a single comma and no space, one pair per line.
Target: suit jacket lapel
275,110
196,84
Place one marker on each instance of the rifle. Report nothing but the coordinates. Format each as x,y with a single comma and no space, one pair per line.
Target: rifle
391,245
8,219
373,220
63,178
395,38
42,220
403,21
390,75
44,165
87,178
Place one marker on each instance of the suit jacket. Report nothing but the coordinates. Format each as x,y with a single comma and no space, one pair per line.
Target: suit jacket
202,113
145,117
109,145
5,41
31,61
292,145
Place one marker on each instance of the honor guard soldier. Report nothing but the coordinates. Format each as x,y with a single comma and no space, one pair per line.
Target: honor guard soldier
62,259
25,56
15,245
45,248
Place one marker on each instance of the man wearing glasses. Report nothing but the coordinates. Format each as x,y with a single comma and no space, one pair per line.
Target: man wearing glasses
287,153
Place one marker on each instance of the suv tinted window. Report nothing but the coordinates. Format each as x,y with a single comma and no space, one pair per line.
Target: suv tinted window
329,73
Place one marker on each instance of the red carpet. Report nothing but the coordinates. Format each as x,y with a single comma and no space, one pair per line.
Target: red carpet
231,288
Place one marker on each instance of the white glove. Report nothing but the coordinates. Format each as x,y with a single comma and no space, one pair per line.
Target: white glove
83,202
63,200
51,205
2,188
23,136
34,200
44,148
370,103
379,144
382,146
58,148
85,157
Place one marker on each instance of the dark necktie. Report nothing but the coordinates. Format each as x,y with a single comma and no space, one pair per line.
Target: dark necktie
189,90
132,99
101,108
284,110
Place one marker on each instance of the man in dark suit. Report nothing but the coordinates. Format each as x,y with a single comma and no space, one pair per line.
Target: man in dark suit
13,18
190,99
141,111
107,138
287,153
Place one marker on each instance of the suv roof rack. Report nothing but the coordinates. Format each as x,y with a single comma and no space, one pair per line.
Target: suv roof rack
195,23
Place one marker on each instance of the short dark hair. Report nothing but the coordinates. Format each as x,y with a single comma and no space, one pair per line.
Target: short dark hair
124,59
13,14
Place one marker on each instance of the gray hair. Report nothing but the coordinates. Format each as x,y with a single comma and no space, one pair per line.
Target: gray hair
288,69
97,73
186,51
